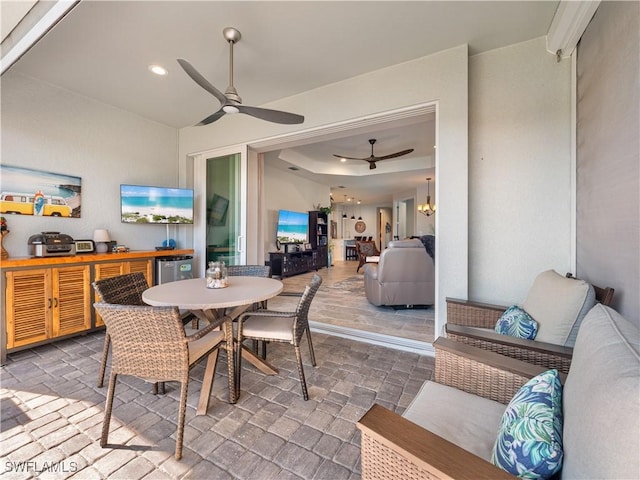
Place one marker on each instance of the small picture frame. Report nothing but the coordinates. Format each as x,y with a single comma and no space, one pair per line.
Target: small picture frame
307,246
217,210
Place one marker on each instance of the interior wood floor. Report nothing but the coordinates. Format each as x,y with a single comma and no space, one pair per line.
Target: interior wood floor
348,307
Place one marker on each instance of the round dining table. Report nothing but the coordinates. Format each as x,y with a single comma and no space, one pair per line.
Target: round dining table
218,305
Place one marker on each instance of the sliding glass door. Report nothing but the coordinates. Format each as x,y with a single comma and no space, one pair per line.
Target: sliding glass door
220,178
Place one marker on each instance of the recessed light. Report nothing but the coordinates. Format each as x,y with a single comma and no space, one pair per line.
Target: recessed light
158,70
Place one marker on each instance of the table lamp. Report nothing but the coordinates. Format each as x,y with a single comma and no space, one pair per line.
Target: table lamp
101,237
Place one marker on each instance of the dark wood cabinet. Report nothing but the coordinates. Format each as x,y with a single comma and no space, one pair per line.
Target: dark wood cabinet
294,259
293,263
319,236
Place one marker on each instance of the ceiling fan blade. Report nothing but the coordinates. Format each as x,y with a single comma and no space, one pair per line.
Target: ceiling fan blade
394,155
275,116
212,118
350,158
200,80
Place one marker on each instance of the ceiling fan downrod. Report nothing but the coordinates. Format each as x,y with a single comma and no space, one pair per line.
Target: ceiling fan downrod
232,36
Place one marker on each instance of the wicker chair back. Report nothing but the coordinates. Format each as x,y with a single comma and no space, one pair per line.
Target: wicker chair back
122,290
148,342
301,321
249,270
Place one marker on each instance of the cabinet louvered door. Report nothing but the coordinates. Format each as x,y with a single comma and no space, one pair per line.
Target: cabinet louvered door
28,307
71,300
144,266
106,270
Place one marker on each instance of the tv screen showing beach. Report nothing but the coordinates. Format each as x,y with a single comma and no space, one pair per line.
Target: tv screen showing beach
144,204
292,227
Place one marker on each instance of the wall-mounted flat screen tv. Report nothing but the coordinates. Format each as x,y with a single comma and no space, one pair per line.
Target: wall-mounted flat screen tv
293,227
156,205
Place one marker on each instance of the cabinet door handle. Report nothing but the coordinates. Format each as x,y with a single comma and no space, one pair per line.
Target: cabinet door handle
49,303
55,302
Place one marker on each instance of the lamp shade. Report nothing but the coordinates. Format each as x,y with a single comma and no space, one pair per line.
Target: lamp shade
101,235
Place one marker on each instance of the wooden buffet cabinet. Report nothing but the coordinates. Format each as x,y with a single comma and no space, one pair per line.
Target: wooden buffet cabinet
46,299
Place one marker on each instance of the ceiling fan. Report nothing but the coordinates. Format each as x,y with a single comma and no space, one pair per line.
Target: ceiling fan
373,159
230,100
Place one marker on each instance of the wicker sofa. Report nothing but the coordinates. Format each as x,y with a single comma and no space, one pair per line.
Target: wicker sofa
559,303
449,429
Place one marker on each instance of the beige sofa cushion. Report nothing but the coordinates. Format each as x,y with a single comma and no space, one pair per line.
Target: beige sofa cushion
469,421
558,304
602,399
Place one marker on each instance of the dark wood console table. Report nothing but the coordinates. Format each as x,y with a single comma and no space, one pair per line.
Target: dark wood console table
293,263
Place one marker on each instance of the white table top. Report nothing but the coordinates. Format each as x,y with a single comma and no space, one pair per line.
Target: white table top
194,295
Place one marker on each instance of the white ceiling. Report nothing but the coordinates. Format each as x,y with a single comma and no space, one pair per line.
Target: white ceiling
102,50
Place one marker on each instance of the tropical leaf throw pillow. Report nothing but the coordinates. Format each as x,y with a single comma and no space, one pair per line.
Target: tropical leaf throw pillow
529,442
517,323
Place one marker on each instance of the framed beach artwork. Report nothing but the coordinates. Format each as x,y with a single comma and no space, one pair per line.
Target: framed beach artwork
26,191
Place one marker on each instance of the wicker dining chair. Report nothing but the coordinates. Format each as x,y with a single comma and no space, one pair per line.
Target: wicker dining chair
120,290
151,343
251,271
287,327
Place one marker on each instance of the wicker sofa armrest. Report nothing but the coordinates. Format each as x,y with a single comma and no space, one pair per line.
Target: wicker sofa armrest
544,354
396,448
473,314
481,372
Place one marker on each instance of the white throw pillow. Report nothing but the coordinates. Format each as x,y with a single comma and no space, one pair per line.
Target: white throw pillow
558,303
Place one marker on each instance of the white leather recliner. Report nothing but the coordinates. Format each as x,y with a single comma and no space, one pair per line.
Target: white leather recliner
404,276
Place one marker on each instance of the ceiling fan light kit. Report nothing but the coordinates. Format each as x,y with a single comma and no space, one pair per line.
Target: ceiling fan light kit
230,100
372,159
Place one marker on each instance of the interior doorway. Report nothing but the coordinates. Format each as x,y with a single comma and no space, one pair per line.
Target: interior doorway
385,219
405,218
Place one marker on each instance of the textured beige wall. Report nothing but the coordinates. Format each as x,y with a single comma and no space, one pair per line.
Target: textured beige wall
608,154
49,128
519,170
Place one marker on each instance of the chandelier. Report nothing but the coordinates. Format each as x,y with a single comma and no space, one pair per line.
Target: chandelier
427,209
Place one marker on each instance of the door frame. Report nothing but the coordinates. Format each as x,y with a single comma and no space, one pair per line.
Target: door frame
200,202
405,115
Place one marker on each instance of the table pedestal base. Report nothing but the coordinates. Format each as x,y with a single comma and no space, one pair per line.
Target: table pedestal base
226,323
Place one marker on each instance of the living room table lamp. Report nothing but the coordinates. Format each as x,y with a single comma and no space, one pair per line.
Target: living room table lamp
101,237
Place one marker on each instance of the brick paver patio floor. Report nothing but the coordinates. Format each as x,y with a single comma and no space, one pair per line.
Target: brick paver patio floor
52,413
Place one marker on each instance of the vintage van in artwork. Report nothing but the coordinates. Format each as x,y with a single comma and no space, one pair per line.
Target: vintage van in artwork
23,204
